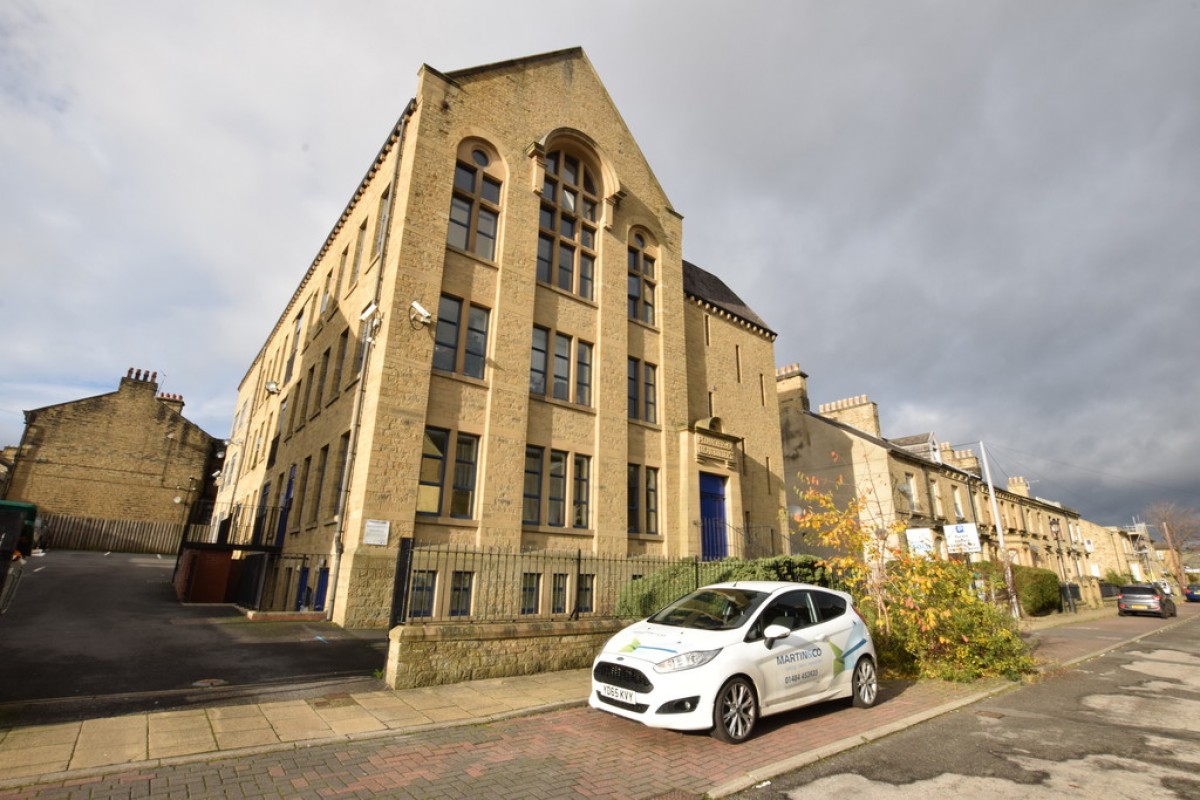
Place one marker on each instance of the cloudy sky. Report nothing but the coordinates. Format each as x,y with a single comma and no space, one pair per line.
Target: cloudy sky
983,215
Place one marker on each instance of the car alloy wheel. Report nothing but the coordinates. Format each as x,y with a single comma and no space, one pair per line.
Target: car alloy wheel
865,683
735,711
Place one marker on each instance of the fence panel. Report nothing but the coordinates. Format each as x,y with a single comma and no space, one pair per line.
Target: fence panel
451,583
69,532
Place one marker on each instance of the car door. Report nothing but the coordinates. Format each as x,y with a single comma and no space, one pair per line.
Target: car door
842,632
799,665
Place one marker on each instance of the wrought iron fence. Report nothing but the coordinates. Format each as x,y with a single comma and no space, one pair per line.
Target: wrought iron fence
449,583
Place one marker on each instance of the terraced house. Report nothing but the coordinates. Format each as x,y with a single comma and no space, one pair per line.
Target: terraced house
500,346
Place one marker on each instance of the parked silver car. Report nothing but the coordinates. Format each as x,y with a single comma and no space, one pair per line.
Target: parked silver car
1144,598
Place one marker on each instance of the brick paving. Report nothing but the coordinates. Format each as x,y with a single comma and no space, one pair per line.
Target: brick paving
572,752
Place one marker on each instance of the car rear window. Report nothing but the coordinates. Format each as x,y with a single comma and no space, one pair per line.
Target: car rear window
1147,590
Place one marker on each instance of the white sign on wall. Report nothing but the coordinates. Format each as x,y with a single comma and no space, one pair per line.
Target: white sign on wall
962,538
920,541
376,532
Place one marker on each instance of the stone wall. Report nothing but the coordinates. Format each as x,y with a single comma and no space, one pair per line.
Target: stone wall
431,655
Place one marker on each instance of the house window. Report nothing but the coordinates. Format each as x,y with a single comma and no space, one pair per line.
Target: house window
322,377
566,484
958,506
581,493
381,222
314,512
335,502
584,593
462,491
339,365
532,500
531,589
454,352
642,281
359,242
299,336
558,594
642,390
642,499
424,586
431,484
568,353
460,593
474,204
538,361
558,489
568,225
433,471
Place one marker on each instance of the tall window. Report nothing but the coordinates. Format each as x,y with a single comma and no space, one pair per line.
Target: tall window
584,593
642,281
642,380
452,350
381,222
558,594
460,593
474,205
323,376
462,491
565,483
568,224
339,365
642,499
532,500
314,513
424,585
531,588
359,242
295,349
433,473
581,492
552,372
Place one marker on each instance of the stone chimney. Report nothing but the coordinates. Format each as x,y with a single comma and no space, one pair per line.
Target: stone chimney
966,460
857,412
140,380
175,401
1018,485
791,384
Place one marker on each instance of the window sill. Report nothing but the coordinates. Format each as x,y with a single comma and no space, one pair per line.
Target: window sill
478,259
569,295
646,325
458,376
560,531
435,519
554,401
646,537
653,426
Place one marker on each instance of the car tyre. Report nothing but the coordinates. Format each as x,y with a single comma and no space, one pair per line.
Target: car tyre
864,685
735,711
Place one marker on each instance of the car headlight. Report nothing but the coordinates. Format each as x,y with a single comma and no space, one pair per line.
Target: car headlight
695,658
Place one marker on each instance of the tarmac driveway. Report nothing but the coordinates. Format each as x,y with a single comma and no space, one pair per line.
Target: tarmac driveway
92,634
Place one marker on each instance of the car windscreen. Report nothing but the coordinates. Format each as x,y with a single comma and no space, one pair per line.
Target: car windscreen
722,609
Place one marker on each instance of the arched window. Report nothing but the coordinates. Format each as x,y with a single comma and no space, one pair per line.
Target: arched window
643,279
566,255
475,203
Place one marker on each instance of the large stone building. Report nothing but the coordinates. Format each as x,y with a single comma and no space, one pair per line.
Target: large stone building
124,455
500,345
921,490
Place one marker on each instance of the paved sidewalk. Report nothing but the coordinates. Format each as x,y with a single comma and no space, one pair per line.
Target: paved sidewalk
75,752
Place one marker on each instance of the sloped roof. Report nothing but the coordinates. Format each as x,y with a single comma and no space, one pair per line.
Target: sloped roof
703,285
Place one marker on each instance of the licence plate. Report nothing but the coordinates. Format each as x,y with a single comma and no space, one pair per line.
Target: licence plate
1139,607
617,693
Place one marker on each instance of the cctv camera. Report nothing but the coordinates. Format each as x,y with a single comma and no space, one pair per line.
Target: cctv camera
419,314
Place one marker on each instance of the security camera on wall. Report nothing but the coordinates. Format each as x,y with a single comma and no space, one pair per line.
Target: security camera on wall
418,313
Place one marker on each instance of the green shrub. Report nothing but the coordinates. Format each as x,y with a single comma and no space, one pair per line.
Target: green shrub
644,596
1038,590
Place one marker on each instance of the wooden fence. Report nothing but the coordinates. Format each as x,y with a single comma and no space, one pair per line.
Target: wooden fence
68,532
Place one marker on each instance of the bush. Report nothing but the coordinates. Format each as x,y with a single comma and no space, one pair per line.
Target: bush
644,596
1038,590
939,626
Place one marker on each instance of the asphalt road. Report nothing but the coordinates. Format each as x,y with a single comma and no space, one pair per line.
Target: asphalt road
1123,725
91,633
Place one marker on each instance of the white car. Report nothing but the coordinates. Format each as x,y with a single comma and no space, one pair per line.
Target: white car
726,654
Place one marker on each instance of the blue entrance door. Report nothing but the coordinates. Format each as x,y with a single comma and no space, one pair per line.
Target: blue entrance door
713,537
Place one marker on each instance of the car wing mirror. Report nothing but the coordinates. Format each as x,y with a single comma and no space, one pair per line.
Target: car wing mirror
775,632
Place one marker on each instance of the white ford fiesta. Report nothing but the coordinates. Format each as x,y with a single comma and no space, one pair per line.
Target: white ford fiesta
726,654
